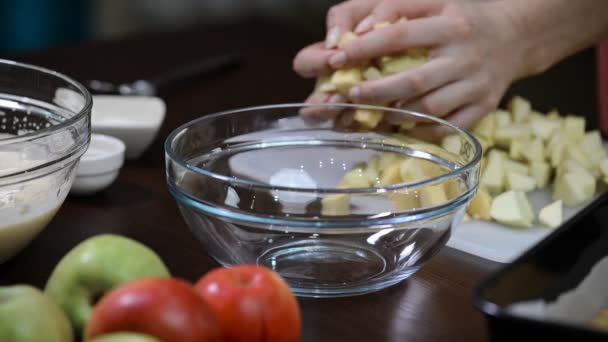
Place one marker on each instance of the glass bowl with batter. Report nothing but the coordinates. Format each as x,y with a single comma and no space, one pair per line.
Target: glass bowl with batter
44,130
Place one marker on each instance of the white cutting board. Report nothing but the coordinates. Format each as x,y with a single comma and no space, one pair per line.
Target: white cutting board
500,243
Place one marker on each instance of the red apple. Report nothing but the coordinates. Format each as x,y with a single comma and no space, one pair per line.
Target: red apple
166,308
253,304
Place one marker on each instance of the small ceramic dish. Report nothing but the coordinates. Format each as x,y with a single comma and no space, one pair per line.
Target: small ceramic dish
99,166
135,120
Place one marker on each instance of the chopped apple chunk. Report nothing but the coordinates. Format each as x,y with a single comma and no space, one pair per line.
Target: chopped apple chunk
481,205
512,208
551,215
520,182
335,205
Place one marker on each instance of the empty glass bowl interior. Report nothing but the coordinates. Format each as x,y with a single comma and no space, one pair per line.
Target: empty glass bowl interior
44,129
335,211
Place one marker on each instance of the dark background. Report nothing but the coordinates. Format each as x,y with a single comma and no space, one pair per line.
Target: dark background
27,25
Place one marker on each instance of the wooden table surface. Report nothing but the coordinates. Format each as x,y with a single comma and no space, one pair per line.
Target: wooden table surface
433,305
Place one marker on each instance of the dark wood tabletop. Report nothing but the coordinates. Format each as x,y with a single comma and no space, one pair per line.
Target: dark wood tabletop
433,305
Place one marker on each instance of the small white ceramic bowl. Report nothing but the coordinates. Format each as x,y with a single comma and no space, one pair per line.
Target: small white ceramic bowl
135,120
99,166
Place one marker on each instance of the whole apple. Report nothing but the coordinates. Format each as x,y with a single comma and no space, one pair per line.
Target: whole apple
95,266
28,315
168,309
253,303
125,337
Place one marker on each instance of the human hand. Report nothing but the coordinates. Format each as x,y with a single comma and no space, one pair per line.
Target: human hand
474,54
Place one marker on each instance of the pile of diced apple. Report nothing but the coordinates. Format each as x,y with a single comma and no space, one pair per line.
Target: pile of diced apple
392,168
525,150
342,80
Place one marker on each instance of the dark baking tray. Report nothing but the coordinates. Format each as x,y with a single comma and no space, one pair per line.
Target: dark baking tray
555,265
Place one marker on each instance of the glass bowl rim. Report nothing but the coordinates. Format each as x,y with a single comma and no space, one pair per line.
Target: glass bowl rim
170,152
88,105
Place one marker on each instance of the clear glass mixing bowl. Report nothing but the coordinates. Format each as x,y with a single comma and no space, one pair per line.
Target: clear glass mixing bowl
263,186
44,129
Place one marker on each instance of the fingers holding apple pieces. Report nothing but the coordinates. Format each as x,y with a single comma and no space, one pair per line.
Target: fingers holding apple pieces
253,303
28,315
166,308
95,266
353,83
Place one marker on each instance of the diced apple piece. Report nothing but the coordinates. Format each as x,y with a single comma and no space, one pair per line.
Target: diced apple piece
335,205
480,205
486,127
592,141
346,38
324,84
503,118
391,175
604,168
453,188
568,189
483,164
520,108
432,195
574,152
372,73
520,182
345,79
486,144
541,172
574,127
525,204
535,115
551,215
369,118
404,199
593,147
371,172
554,115
534,151
557,139
407,125
492,178
452,143
574,185
387,159
411,170
507,208
395,64
514,166
504,135
381,24
558,153
355,178
431,169
543,128
516,148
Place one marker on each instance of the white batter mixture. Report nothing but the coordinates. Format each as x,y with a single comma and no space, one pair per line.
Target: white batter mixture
25,208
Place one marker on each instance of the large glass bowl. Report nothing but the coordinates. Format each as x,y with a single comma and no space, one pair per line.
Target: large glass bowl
264,186
44,129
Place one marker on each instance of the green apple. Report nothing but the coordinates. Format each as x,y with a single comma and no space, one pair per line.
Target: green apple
95,266
124,337
28,315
